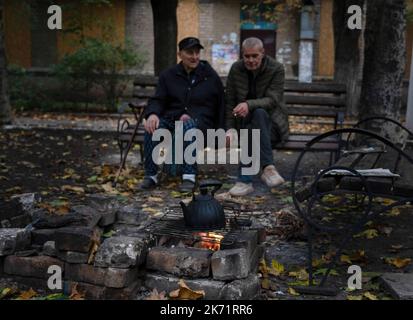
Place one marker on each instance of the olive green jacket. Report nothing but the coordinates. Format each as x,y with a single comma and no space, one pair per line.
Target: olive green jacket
270,95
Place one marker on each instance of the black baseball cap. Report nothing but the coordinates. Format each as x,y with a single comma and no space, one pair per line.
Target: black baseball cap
189,42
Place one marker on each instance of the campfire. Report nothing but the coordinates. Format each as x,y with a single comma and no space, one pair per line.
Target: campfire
208,240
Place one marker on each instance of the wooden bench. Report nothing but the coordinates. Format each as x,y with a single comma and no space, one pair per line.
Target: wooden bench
324,99
370,168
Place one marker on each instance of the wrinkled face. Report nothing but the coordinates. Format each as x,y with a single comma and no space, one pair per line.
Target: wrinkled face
190,58
252,57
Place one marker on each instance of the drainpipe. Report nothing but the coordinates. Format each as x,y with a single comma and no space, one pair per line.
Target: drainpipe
307,38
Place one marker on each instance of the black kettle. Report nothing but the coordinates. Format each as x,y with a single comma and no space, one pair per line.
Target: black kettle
204,211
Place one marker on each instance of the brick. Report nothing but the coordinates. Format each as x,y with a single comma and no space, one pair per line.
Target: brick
230,264
78,239
131,215
49,249
243,289
40,236
36,266
189,262
127,293
1,266
248,239
73,256
400,285
110,277
121,252
212,288
13,239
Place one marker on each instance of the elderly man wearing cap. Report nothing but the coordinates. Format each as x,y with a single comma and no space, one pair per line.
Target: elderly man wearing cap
254,100
190,91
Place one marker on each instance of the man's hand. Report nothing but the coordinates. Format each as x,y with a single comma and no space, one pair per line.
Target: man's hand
152,123
184,117
241,110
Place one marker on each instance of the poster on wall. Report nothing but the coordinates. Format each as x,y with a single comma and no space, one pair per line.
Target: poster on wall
223,56
305,69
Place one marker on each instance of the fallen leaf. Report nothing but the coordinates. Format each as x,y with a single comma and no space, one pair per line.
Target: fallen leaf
394,212
293,292
27,295
323,271
350,297
75,294
6,292
301,275
345,258
185,293
94,248
155,199
398,262
276,268
156,296
368,234
73,189
265,283
370,296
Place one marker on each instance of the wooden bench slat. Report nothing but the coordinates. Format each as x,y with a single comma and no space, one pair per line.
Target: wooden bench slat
315,100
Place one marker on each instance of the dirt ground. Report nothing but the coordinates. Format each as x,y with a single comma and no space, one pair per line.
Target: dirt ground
65,166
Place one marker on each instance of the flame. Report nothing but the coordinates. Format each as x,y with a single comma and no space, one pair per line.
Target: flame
208,240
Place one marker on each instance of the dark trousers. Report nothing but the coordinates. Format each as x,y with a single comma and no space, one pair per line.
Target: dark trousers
258,119
151,168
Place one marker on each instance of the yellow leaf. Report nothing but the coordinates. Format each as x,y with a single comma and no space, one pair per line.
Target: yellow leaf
349,297
73,189
394,212
27,295
301,275
368,234
276,268
109,189
185,293
398,262
6,292
265,283
370,296
345,258
155,199
293,292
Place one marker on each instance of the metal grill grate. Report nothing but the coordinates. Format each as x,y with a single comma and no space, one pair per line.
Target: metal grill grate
172,224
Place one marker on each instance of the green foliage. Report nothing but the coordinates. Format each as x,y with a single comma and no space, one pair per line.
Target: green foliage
24,92
100,64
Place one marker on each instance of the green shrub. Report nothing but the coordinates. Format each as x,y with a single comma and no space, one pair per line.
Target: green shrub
100,64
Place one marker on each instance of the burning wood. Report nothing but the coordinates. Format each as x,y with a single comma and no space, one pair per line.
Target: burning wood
208,240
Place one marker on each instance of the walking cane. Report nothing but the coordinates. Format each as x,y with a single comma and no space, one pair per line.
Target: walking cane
138,119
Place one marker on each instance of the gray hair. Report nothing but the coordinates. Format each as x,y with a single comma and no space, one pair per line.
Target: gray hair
252,42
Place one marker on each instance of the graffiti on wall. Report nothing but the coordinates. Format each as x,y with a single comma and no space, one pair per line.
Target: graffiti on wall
225,53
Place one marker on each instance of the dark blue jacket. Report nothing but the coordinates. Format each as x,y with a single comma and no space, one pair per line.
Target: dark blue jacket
200,95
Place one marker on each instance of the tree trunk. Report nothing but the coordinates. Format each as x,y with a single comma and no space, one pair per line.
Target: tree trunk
5,111
384,63
165,32
347,53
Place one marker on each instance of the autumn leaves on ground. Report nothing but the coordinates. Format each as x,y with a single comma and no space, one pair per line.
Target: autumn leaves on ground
65,166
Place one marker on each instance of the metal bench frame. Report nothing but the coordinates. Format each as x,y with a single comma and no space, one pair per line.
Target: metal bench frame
315,195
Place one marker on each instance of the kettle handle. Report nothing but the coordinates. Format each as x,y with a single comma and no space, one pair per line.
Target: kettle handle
210,183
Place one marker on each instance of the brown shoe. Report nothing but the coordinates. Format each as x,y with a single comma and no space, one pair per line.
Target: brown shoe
271,177
241,189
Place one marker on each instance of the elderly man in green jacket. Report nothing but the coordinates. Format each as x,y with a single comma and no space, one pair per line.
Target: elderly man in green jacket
254,100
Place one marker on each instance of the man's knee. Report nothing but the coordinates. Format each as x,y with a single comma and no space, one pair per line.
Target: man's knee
189,124
259,115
